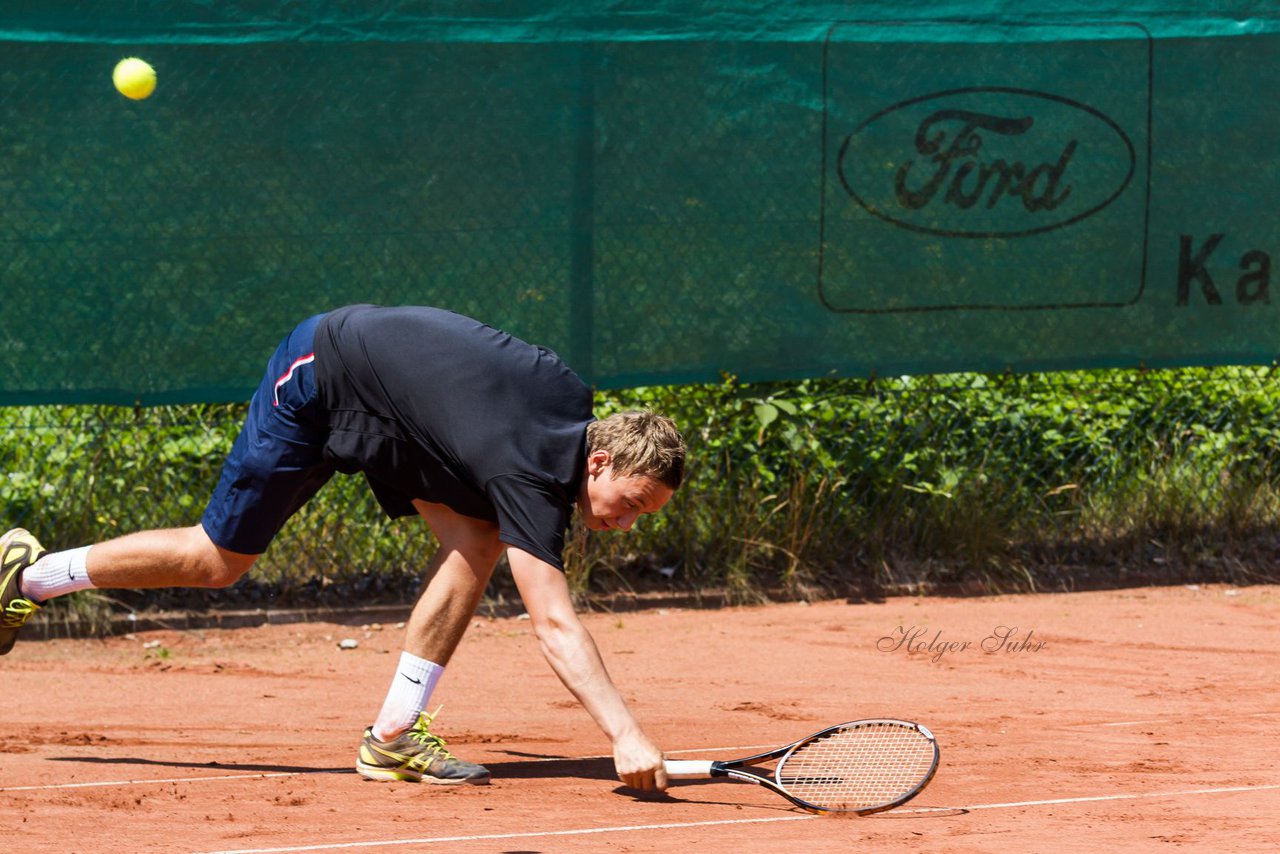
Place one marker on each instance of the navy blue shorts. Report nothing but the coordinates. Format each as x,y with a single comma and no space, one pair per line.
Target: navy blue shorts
277,462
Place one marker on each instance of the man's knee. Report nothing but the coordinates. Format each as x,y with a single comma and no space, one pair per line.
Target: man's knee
475,539
210,565
484,551
479,544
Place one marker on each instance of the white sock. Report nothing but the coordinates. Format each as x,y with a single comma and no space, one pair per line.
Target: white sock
410,690
56,574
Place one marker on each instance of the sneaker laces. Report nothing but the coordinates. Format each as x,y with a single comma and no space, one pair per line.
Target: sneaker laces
420,733
15,614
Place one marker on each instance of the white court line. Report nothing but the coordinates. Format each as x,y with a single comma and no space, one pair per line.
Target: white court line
271,774
676,826
166,780
1088,798
1183,720
581,832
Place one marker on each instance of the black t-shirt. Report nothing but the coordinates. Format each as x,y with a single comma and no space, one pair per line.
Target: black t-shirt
433,405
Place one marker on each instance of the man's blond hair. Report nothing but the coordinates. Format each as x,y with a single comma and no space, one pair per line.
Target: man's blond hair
640,444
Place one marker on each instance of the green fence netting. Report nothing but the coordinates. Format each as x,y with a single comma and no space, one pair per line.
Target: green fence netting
660,193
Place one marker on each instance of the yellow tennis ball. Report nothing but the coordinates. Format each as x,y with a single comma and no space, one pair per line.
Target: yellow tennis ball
135,78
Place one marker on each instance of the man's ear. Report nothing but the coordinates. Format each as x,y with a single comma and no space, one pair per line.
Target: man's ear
597,462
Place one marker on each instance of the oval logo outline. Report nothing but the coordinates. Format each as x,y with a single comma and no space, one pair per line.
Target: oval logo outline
1006,90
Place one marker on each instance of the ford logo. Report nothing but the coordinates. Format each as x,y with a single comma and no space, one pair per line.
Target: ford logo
986,162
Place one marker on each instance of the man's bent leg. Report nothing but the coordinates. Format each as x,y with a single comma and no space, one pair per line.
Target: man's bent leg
400,745
455,583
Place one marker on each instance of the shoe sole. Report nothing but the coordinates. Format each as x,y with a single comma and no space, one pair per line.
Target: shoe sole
396,775
13,534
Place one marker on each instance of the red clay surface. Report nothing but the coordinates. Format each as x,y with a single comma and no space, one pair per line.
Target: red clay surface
1146,721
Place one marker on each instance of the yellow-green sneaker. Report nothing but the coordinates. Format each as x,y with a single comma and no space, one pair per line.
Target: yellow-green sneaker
417,756
18,550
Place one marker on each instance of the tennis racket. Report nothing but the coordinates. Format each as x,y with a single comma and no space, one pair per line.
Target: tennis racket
860,767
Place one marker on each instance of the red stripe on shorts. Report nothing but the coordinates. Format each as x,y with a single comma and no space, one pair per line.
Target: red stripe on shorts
288,375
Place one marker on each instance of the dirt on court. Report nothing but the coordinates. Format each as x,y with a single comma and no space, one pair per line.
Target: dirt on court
1115,721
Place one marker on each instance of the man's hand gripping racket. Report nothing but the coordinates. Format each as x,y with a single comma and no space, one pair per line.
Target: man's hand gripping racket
860,767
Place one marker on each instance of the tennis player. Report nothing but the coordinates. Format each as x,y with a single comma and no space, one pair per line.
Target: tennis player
489,439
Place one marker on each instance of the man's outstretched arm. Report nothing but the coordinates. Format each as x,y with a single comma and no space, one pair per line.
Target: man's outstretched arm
573,655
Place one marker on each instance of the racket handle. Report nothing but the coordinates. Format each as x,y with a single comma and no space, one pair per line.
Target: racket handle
687,769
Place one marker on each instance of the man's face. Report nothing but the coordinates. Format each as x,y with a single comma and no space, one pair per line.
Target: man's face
607,502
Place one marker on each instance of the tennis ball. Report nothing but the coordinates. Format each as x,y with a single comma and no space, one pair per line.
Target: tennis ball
135,78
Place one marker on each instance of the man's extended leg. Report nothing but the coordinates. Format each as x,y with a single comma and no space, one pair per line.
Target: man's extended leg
399,746
168,557
275,465
172,557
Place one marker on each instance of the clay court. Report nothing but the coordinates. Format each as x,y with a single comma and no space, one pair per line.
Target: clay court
1129,720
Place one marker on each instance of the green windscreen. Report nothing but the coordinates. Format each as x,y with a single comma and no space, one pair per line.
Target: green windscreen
663,194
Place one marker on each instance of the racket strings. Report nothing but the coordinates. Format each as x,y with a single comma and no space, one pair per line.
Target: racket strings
860,767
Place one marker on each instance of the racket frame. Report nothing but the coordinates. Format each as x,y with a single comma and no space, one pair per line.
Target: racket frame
736,769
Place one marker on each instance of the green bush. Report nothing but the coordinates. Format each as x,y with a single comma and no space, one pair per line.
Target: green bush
794,489
1000,481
